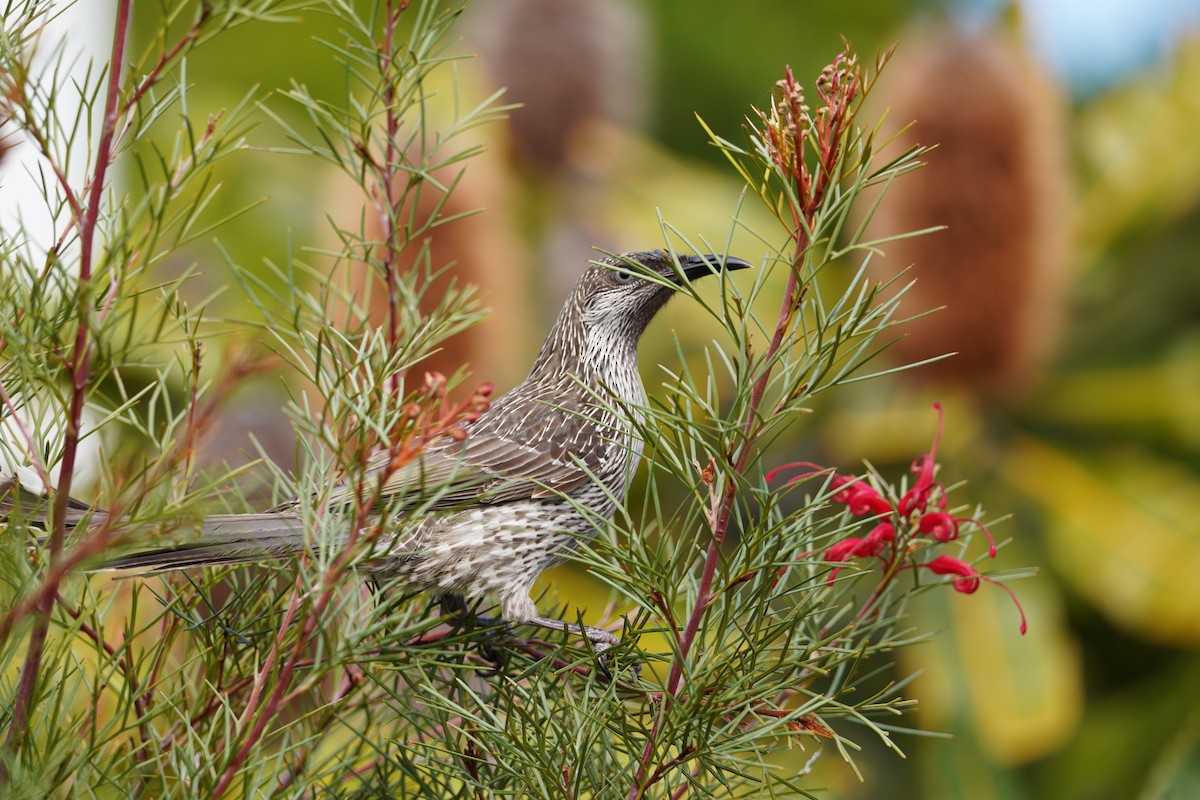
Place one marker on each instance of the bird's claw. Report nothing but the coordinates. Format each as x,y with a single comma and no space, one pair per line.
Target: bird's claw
600,650
602,641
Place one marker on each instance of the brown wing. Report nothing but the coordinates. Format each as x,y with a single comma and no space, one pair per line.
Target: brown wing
551,449
497,469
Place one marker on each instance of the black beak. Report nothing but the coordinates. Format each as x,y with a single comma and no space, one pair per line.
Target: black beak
698,266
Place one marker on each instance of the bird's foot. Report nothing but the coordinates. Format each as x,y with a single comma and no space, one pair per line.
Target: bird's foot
600,639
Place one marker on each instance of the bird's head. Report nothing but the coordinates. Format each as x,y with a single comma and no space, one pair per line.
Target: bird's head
616,297
623,293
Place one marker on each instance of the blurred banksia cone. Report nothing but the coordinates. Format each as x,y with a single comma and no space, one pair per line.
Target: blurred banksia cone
997,179
567,62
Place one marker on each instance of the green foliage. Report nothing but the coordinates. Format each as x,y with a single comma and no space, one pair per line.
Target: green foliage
738,635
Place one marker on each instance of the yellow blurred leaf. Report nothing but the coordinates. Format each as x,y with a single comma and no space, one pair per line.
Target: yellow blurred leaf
1164,394
1133,143
1022,695
1123,531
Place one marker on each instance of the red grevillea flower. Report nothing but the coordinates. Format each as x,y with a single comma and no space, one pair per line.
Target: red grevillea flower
920,512
968,580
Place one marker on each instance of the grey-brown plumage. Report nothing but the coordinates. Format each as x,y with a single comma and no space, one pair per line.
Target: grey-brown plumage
545,465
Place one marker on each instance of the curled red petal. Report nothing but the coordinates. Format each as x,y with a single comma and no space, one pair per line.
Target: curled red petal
883,532
948,565
866,501
988,534
814,469
879,538
844,487
941,526
969,580
859,496
923,467
1016,602
915,499
966,585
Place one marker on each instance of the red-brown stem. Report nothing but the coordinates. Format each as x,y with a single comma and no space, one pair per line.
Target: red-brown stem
400,452
389,215
38,601
140,699
275,702
351,680
811,196
667,766
31,129
269,709
80,375
166,57
107,532
721,518
153,76
683,787
566,778
889,572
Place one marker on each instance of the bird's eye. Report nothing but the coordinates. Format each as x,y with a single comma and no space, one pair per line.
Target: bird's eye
623,277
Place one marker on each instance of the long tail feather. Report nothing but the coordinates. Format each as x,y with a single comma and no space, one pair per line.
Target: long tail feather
223,539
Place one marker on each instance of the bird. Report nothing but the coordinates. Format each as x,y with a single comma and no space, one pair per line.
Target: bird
544,466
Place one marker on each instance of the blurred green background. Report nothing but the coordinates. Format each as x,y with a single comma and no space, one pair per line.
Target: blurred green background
1068,172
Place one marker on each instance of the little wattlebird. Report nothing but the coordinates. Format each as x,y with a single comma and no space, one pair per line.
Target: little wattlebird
545,465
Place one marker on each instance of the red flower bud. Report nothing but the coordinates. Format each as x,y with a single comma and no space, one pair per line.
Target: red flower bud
864,501
854,492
